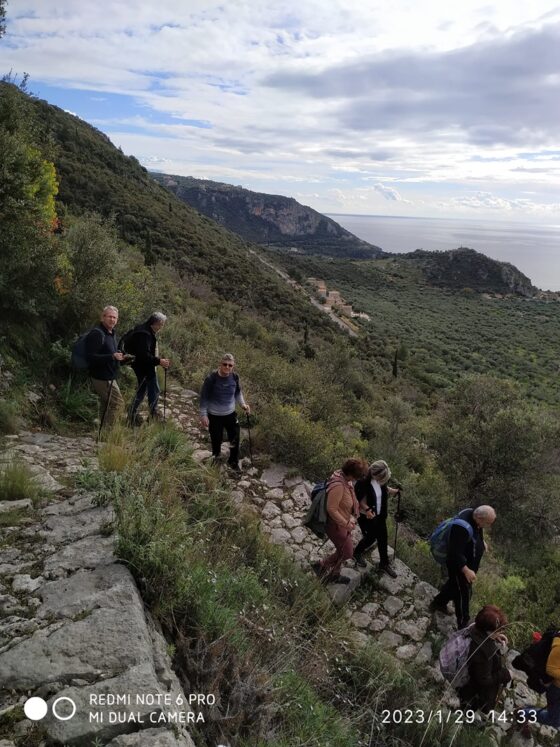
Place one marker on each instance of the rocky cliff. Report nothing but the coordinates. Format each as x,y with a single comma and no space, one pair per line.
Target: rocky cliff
268,219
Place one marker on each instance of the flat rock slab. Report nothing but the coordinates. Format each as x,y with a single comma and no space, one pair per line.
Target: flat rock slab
62,529
110,587
73,505
89,552
81,730
104,643
340,593
275,475
6,506
151,738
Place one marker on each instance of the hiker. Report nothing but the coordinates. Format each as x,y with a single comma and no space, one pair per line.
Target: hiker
142,343
372,492
550,715
486,663
342,513
462,561
103,358
220,393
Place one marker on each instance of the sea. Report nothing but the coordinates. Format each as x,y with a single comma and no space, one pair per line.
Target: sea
533,248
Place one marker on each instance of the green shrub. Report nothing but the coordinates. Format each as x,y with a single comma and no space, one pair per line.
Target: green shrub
9,417
17,483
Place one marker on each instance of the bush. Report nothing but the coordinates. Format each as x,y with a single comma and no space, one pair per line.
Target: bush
290,438
17,483
9,417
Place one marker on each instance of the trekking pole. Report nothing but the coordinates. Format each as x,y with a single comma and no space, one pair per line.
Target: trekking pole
250,444
105,410
164,391
398,519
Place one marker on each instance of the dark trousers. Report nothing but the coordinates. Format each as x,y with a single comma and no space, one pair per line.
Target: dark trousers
458,590
216,425
147,382
372,530
341,537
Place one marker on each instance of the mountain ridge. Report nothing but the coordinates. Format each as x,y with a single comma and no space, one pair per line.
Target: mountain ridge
267,219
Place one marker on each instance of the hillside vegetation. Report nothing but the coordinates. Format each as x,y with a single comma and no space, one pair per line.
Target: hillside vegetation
85,226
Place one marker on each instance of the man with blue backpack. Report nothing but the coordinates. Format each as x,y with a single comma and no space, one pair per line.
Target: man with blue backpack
458,543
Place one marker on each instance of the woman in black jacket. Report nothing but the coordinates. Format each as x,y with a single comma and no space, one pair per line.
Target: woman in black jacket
372,493
487,671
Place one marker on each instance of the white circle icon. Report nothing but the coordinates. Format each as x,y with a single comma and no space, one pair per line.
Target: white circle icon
35,709
60,700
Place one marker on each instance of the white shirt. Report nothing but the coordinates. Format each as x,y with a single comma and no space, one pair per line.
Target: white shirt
377,490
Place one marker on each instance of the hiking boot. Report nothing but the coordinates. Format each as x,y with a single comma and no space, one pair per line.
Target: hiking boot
436,606
338,579
318,570
360,561
156,416
388,569
234,467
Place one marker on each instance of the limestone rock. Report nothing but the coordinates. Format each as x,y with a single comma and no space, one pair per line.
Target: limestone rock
360,619
99,645
276,494
201,455
393,605
274,475
415,629
379,623
388,639
25,583
423,594
6,506
289,521
270,510
299,535
151,738
407,652
300,497
89,552
280,536
425,654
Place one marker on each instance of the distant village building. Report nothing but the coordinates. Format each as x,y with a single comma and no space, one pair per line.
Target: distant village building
334,300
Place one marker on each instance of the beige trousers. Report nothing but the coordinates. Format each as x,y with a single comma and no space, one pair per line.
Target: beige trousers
112,403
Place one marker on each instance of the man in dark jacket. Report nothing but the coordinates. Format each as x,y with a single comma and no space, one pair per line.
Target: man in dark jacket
103,359
372,493
220,393
142,343
464,554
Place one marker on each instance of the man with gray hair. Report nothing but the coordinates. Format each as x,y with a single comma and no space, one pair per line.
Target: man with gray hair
465,549
142,343
220,393
103,358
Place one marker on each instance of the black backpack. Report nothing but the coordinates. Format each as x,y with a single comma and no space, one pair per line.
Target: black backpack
78,358
127,343
316,517
532,661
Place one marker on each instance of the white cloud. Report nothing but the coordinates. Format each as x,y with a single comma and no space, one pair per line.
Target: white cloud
397,107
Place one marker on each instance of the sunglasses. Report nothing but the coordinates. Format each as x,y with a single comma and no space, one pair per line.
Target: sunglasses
227,365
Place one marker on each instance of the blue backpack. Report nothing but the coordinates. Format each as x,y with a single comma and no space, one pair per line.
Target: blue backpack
439,539
78,359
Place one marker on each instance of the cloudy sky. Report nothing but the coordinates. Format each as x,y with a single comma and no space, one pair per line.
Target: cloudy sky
424,108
